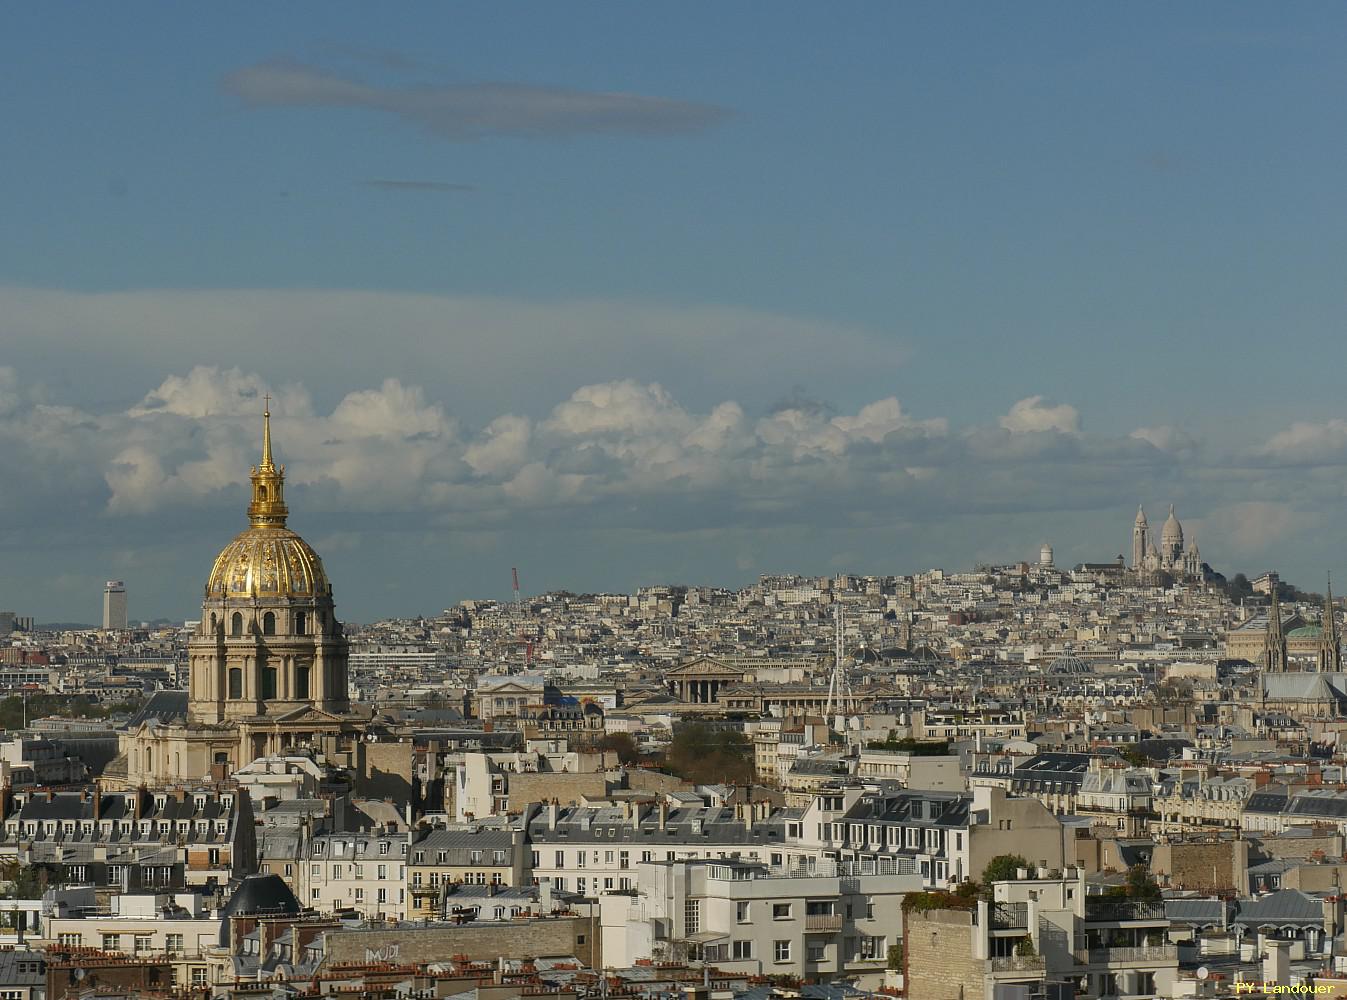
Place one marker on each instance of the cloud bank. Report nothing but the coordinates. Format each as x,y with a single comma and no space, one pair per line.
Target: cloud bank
622,467
474,111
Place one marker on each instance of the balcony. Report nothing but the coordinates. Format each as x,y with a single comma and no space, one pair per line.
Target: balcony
1111,909
1019,963
826,923
1009,916
1145,954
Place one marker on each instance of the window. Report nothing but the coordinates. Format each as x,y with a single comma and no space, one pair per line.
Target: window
301,682
199,975
300,623
236,624
269,623
383,871
781,951
384,846
383,895
269,683
143,942
235,681
69,940
780,911
873,948
741,949
561,859
741,912
111,942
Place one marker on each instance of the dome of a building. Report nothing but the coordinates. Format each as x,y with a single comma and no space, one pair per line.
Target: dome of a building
258,896
1306,632
267,561
1172,531
1068,664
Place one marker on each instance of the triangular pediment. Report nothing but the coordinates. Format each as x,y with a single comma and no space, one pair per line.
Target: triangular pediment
705,668
308,713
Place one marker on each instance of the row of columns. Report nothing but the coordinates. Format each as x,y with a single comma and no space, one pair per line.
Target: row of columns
699,692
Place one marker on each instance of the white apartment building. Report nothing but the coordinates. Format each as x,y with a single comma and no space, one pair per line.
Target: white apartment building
365,872
751,919
591,850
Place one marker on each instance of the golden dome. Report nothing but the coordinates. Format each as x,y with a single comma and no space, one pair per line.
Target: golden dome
267,559
267,562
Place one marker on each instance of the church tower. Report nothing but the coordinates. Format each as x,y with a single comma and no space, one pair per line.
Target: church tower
1140,532
1274,655
1330,655
268,643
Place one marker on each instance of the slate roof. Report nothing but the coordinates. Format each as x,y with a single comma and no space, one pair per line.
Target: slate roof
1196,912
164,707
1286,906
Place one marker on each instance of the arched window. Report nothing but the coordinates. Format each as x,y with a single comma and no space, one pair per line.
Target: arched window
212,621
269,624
236,625
149,760
300,622
235,682
261,492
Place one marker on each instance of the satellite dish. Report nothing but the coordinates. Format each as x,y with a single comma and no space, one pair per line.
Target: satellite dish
1202,972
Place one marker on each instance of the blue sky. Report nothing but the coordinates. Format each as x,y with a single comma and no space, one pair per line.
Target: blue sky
457,215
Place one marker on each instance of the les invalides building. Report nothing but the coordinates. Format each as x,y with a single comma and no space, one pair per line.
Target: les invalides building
268,659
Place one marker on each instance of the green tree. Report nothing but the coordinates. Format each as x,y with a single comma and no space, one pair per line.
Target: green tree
623,745
705,755
1002,868
1134,756
1140,883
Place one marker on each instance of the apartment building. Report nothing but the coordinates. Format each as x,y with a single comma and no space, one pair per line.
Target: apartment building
364,872
749,918
944,837
594,849
471,855
1040,936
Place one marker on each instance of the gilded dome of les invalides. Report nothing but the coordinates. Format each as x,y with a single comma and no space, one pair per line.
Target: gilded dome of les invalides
267,559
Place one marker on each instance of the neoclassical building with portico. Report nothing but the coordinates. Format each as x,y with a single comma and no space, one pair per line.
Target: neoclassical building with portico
268,660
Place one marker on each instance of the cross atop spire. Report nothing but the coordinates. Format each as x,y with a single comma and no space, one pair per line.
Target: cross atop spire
266,433
268,505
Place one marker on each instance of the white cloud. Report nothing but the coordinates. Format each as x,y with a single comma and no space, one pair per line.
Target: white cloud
1309,442
616,459
1034,414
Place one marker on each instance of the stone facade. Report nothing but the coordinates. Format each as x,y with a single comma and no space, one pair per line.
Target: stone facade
939,962
524,939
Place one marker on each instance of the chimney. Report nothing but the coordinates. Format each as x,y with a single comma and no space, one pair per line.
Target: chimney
636,808
663,813
553,808
750,814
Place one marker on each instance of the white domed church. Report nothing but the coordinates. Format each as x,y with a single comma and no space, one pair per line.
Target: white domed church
268,660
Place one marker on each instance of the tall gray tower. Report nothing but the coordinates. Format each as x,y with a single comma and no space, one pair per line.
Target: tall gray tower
1140,535
114,604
